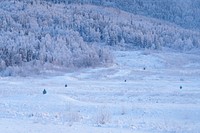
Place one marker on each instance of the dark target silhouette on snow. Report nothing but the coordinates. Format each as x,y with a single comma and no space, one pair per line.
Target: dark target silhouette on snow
181,87
44,92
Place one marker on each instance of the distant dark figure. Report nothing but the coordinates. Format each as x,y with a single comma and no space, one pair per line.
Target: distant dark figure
65,85
144,68
44,92
181,87
125,80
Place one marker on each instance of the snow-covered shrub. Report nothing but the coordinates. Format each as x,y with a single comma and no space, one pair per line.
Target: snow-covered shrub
102,117
70,117
123,110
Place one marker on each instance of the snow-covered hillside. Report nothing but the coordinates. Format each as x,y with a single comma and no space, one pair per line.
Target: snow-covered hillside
43,35
35,36
182,12
124,98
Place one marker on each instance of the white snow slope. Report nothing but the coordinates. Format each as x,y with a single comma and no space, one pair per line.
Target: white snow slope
99,100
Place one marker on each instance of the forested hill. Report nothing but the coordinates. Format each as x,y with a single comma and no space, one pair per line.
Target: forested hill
185,13
39,34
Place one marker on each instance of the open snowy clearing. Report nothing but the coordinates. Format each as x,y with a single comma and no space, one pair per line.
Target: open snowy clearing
144,92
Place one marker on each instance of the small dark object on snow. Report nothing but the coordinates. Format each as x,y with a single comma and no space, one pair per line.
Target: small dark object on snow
65,85
181,87
144,68
44,92
125,80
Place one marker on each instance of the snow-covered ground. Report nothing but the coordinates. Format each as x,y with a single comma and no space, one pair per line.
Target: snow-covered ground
141,93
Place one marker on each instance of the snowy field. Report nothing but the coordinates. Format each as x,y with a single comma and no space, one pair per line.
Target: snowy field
144,92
